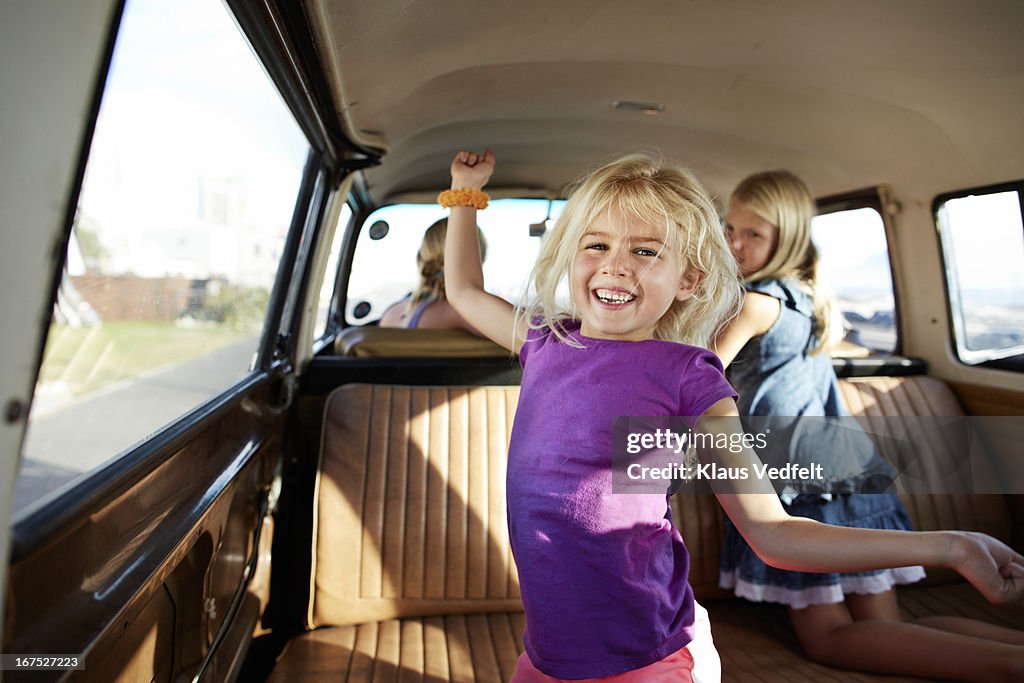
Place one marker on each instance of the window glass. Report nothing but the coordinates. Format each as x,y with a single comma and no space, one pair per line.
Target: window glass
855,267
983,250
384,268
190,185
331,273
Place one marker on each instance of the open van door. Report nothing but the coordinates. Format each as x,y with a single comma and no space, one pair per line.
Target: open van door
161,203
48,111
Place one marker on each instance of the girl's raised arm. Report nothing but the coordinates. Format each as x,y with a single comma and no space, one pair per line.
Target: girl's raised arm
494,317
800,544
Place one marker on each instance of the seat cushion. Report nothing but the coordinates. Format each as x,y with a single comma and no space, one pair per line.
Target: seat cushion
477,648
755,641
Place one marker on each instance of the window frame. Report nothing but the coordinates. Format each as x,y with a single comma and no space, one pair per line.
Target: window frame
362,206
324,338
277,344
1013,362
871,198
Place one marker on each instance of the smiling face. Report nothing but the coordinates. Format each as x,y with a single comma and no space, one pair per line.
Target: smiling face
751,238
623,279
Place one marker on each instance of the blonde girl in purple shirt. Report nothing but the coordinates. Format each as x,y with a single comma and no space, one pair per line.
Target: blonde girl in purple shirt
651,281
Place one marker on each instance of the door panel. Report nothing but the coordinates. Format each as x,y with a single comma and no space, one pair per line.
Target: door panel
181,534
48,110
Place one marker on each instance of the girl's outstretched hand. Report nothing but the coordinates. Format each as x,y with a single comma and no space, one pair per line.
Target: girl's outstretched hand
991,566
472,170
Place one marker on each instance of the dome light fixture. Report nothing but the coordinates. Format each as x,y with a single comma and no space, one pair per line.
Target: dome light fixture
646,108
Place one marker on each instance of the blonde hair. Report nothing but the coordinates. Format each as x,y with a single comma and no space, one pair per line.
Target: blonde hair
430,263
640,187
782,199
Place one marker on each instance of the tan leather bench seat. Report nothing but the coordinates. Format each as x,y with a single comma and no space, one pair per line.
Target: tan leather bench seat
472,647
413,578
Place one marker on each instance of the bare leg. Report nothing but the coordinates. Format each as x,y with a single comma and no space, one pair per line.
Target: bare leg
885,606
973,627
829,634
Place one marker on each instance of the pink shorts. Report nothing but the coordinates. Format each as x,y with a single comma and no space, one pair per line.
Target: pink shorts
678,667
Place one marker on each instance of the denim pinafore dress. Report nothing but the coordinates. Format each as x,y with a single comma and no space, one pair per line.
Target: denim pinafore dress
777,374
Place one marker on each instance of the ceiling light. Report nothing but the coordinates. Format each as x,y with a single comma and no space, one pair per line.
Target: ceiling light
648,108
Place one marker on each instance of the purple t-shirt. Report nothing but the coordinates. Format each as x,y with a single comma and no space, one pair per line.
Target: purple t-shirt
603,576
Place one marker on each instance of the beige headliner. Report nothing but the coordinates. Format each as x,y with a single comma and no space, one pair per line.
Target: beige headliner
924,95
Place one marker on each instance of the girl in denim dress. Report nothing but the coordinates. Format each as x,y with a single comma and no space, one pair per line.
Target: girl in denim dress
776,350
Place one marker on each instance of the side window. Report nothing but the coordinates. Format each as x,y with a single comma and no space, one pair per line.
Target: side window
855,267
329,286
384,267
191,181
982,241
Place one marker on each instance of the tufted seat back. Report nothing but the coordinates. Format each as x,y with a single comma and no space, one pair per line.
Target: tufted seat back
903,399
410,504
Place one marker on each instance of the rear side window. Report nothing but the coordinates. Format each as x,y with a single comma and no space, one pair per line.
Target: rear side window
189,189
982,239
855,267
384,268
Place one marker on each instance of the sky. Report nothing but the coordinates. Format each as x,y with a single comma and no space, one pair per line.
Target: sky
186,103
986,233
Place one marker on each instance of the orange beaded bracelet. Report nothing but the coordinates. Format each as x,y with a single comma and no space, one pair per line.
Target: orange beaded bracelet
463,196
